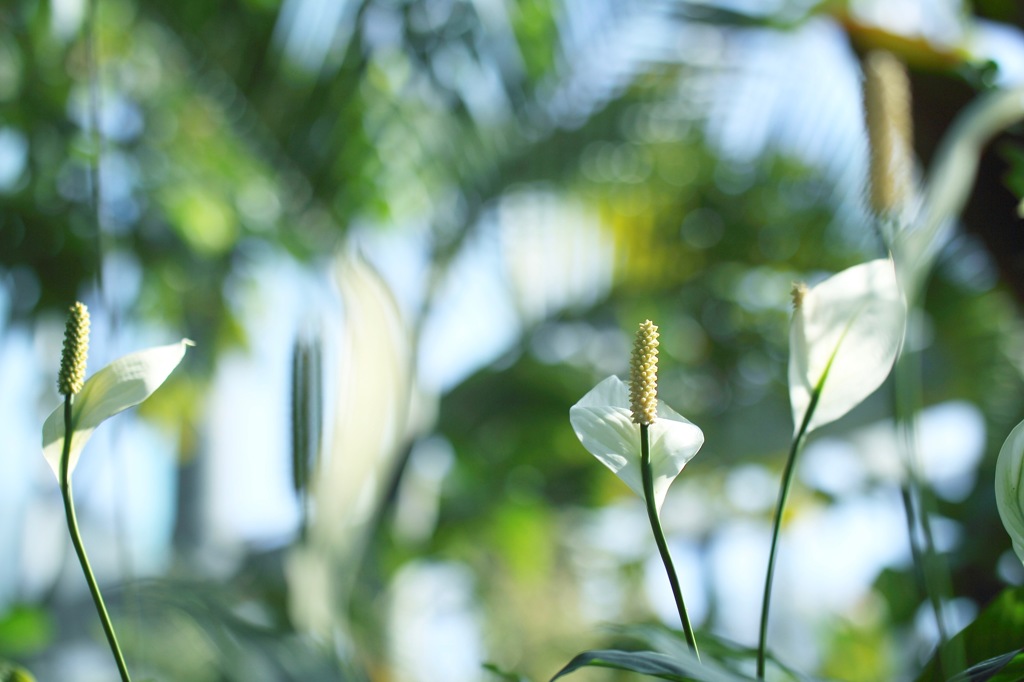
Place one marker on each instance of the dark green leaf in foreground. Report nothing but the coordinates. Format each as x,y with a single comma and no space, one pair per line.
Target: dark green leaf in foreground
1012,672
1008,667
996,633
729,654
654,664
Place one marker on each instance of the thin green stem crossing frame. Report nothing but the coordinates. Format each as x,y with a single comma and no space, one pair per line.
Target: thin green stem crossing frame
76,540
787,479
647,475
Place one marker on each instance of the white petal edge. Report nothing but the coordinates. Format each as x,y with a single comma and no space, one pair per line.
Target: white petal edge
949,184
857,319
1009,491
602,422
123,383
675,440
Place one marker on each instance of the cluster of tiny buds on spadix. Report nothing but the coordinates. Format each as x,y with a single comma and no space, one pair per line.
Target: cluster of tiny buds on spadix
643,374
890,131
76,349
798,292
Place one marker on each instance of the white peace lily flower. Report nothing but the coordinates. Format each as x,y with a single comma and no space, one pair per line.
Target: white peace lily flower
604,425
123,383
952,177
845,336
1009,488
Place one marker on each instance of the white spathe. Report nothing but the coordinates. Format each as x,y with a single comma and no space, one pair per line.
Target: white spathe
1009,493
602,422
845,335
123,383
916,246
375,393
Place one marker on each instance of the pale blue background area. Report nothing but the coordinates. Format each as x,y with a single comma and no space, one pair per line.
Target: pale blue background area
803,99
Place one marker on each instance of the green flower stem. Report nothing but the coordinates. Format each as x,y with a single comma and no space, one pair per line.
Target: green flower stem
659,535
787,478
919,504
76,540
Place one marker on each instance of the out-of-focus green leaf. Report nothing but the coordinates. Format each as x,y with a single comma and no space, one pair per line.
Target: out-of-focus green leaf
12,673
730,654
25,630
535,25
997,630
506,675
203,219
859,652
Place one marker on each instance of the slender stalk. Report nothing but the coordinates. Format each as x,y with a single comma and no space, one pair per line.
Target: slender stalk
933,572
95,136
659,535
76,540
910,513
787,478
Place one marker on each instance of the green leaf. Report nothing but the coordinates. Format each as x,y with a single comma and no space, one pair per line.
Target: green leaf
731,655
678,669
506,675
25,630
997,630
12,673
995,669
1012,672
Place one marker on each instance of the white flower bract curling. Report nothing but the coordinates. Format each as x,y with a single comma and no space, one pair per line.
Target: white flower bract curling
604,425
845,336
1009,490
123,383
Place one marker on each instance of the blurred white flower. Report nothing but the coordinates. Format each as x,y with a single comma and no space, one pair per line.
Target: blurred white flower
954,169
845,336
123,383
604,425
1009,491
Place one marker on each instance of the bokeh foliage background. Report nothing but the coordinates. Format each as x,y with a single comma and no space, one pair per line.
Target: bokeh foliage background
580,167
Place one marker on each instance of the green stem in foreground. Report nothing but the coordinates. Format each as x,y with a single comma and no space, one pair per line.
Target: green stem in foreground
647,475
933,572
787,478
76,540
